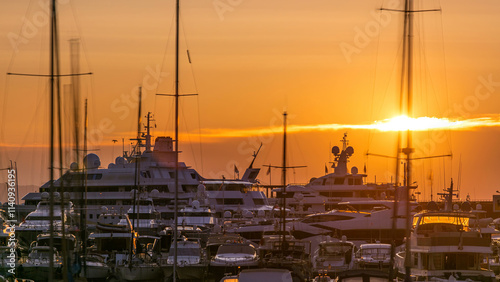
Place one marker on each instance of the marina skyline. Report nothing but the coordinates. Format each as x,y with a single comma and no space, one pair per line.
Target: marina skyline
323,62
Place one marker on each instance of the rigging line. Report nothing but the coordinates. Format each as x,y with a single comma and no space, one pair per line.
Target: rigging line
80,34
30,127
196,91
445,78
167,43
374,81
188,134
14,52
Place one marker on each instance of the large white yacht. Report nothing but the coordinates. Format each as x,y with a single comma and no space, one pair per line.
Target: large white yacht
445,245
151,170
373,221
324,193
112,186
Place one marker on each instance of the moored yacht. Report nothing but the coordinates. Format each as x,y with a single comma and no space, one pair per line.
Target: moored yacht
324,193
360,226
332,257
192,262
444,245
38,221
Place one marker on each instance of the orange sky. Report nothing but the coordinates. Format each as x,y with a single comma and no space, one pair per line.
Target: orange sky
250,61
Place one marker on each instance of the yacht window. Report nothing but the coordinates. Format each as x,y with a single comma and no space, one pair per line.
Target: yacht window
171,174
228,201
358,181
350,181
324,181
91,216
325,218
193,175
259,202
339,181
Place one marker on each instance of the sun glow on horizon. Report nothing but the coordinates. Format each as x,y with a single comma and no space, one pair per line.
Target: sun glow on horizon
398,123
404,123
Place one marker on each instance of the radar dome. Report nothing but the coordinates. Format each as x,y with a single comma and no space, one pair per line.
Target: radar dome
73,166
248,214
335,150
111,165
195,204
154,193
261,213
349,150
299,197
354,170
120,161
92,161
201,188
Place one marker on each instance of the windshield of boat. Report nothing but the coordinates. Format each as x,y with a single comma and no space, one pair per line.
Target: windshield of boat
375,251
334,249
442,223
44,254
236,249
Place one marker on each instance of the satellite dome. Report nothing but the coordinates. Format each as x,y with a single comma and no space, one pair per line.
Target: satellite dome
335,150
261,213
354,170
349,150
73,166
248,214
432,206
227,214
479,207
120,161
91,161
195,204
104,209
201,188
299,196
111,165
154,193
45,195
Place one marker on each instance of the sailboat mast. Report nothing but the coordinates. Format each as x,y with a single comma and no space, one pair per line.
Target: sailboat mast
283,182
408,150
51,150
176,193
136,176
